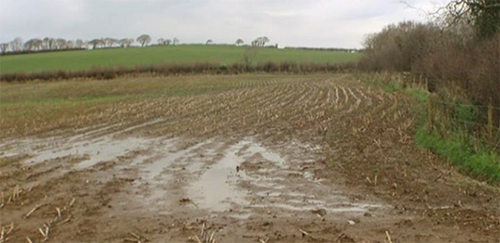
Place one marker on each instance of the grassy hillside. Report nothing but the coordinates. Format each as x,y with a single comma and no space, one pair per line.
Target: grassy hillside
80,60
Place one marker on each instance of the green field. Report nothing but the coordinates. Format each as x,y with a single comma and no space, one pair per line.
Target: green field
129,57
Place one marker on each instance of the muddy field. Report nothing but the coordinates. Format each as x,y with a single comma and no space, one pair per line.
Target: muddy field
243,159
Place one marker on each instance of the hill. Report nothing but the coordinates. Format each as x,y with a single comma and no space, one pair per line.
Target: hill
129,57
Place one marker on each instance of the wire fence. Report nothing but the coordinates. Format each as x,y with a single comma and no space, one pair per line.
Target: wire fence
478,125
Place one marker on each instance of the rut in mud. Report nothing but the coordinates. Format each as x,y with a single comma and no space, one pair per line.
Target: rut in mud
323,160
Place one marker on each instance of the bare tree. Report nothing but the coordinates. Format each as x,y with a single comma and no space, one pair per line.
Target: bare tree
260,41
4,47
265,40
125,42
175,41
144,39
61,43
46,43
239,42
96,43
249,57
483,14
79,43
52,44
109,42
70,44
464,16
17,44
209,41
34,44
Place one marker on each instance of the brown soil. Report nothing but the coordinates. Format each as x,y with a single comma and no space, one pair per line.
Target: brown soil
301,161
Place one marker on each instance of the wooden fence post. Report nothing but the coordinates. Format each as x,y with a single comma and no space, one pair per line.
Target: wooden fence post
490,120
431,114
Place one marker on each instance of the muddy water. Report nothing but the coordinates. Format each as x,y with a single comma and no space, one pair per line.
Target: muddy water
250,176
95,151
242,176
216,189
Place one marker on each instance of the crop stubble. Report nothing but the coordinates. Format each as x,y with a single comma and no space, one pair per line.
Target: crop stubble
343,145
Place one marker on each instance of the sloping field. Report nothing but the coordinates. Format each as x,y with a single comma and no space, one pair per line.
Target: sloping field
249,158
183,54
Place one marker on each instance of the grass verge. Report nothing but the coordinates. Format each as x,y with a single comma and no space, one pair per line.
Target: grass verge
451,139
480,163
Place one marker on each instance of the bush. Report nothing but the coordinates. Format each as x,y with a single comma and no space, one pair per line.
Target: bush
446,57
177,69
399,47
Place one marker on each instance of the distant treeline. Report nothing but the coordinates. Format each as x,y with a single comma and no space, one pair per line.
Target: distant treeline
178,69
324,49
18,46
11,53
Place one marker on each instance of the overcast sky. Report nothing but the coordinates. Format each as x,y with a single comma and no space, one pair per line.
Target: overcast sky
313,23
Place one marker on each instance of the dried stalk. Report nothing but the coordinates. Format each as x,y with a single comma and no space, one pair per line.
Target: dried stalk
45,231
15,193
33,210
138,239
64,221
205,235
197,239
4,234
11,227
263,241
59,213
72,202
304,232
211,239
388,236
13,196
2,201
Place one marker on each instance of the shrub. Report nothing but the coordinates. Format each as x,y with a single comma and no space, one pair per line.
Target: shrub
177,69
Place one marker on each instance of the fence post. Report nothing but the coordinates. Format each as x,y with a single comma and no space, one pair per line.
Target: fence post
431,114
490,120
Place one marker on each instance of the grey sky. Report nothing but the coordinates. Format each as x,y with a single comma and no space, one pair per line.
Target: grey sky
315,23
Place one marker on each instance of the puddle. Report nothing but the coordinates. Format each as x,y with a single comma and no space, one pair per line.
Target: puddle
96,151
241,216
206,172
219,187
216,188
91,133
154,169
92,143
27,146
351,208
270,156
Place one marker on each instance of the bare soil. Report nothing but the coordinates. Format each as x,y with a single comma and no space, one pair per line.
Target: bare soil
322,160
